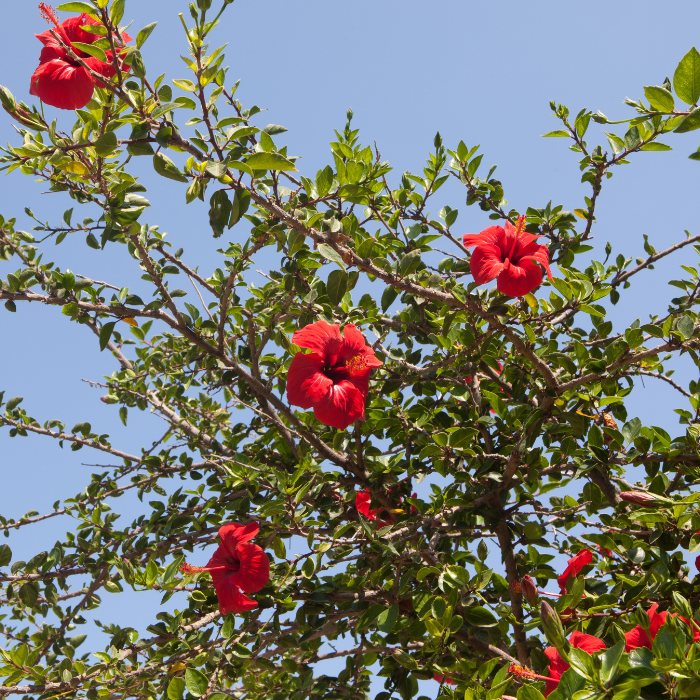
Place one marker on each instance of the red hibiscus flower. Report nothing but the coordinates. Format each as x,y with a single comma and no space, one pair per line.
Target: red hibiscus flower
697,563
237,567
511,255
557,665
364,498
444,679
638,637
583,558
60,81
334,378
362,501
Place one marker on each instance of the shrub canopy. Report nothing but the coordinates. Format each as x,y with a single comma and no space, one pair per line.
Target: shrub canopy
348,440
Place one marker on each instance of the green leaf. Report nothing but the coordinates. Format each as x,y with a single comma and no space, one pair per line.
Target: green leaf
165,167
686,78
656,146
324,181
269,161
328,252
480,617
185,102
239,206
219,212
5,554
659,98
167,107
91,50
410,263
557,132
176,688
689,123
631,430
274,129
387,619
106,144
336,286
78,7
685,326
144,34
13,403
116,12
569,683
196,682
611,661
388,297
242,167
529,692
28,594
106,334
185,85
632,138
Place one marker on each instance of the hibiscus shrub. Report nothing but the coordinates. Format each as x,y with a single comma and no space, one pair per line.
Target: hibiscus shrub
385,454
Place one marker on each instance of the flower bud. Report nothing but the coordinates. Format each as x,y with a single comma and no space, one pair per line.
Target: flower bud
204,5
8,100
642,618
639,498
552,626
671,624
529,589
138,67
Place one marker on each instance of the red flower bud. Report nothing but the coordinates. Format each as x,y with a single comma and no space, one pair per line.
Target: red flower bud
529,589
639,498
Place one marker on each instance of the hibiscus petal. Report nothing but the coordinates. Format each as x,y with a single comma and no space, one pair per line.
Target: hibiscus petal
550,685
72,29
535,252
255,568
48,39
586,642
494,235
230,597
557,665
635,638
322,338
575,566
355,344
234,534
362,501
361,383
51,52
306,384
354,340
343,405
219,558
104,69
486,263
370,358
518,280
61,85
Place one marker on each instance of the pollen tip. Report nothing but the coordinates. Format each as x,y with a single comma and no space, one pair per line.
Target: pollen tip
189,569
356,365
48,13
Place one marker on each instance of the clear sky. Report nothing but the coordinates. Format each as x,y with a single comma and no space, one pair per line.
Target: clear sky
481,72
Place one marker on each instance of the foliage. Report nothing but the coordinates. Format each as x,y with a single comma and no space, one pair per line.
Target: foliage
513,410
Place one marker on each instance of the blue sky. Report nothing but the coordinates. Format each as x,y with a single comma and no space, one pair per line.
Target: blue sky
481,72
